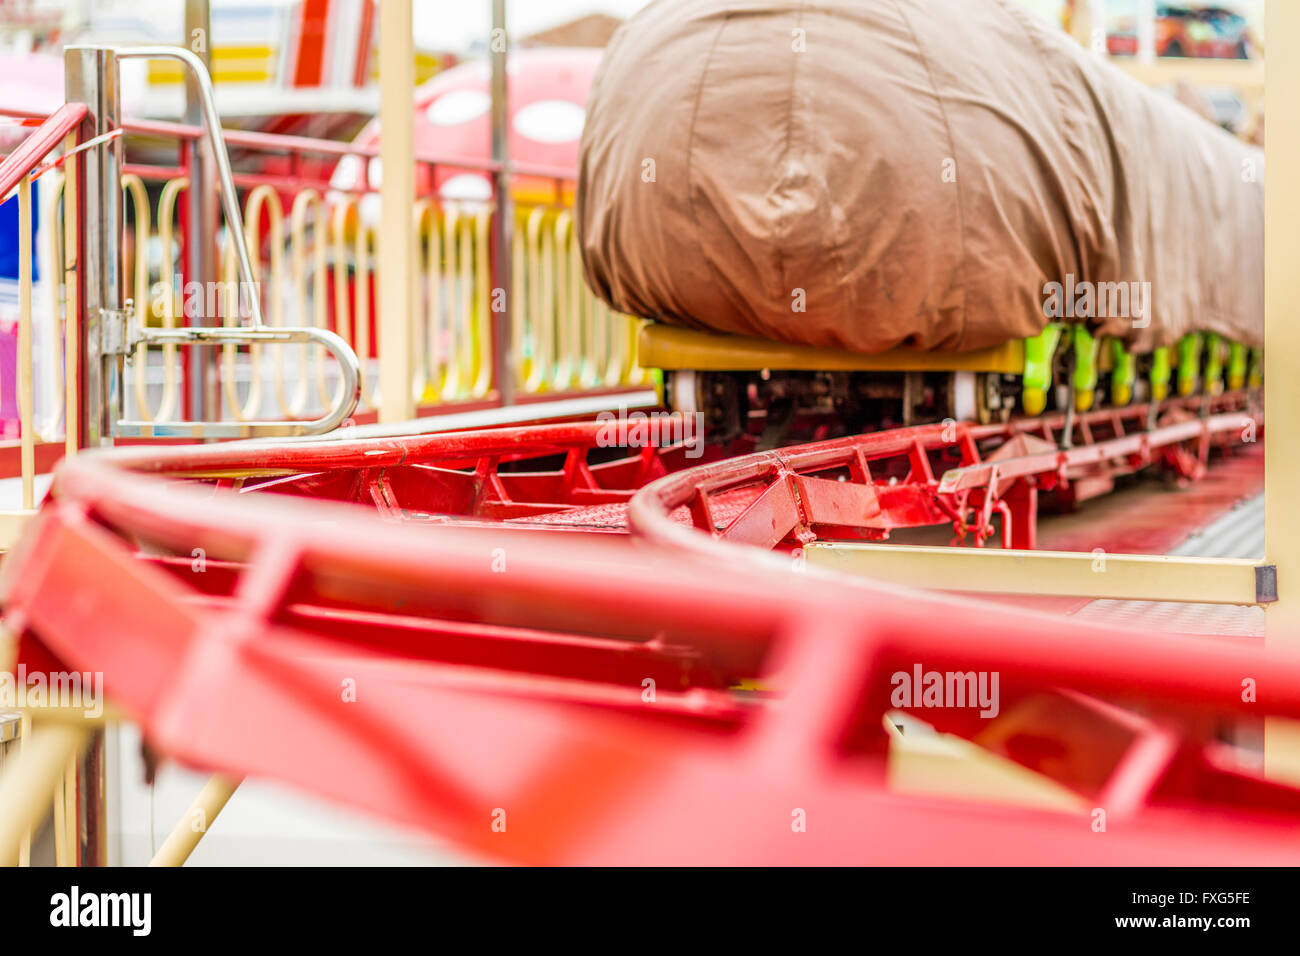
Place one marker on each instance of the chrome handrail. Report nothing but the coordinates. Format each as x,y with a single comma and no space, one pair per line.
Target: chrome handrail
258,332
349,392
212,124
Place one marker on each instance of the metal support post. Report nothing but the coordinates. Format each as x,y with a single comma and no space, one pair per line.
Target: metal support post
501,303
91,78
200,264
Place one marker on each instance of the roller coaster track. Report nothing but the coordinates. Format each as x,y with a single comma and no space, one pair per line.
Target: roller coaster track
576,476
585,686
867,485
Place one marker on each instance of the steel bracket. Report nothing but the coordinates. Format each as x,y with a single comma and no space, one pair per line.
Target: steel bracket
1266,584
118,333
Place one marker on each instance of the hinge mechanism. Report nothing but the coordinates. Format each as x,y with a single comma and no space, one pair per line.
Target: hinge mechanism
119,333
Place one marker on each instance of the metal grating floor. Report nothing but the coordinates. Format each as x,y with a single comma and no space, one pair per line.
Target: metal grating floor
1237,534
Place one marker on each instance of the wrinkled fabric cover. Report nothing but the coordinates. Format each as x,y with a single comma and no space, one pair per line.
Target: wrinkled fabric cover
722,171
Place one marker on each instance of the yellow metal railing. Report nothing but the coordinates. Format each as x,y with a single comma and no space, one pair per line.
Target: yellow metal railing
565,338
315,260
314,255
43,392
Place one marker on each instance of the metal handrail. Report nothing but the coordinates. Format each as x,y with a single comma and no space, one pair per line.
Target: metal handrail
229,198
258,332
349,393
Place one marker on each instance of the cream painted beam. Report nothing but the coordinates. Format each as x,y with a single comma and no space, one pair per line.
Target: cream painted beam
396,265
1132,577
1282,355
1281,331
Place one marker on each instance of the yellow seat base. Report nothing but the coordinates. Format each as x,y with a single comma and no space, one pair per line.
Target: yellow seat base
669,347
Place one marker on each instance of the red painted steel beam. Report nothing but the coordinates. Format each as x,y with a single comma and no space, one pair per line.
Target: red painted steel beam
47,137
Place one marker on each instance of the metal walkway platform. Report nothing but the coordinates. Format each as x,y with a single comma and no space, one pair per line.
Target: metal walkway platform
1237,534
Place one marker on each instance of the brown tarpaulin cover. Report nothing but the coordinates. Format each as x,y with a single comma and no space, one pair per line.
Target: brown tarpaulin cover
916,171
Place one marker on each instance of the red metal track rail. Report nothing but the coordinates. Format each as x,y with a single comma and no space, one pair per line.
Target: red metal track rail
561,476
588,769
867,485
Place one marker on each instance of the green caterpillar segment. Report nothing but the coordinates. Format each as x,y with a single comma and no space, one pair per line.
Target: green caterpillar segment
1040,352
1085,368
1237,365
1213,364
1189,363
1123,374
1161,372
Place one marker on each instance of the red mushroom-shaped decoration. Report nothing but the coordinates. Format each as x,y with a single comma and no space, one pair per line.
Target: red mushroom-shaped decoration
453,121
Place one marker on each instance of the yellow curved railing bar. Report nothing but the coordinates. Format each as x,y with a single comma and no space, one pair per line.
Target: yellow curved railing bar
308,199
173,303
584,305
232,294
449,383
362,241
265,196
352,311
142,217
246,409
566,294
541,301
465,286
425,297
481,316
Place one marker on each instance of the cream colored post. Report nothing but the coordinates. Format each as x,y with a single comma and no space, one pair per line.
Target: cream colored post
191,827
1282,355
396,261
29,783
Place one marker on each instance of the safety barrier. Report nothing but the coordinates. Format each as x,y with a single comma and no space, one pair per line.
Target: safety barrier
309,209
38,317
312,233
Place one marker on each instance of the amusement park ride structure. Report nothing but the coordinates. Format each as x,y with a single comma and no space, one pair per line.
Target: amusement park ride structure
505,652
